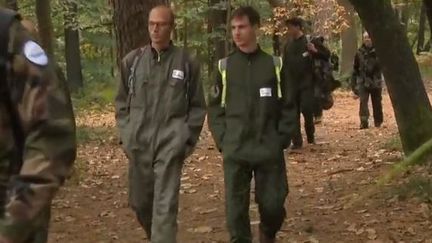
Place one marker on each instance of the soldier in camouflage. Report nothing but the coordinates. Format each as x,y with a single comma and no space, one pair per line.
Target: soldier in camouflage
37,134
367,81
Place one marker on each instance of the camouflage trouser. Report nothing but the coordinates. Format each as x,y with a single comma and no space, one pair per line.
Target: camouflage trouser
376,97
39,235
305,103
271,189
154,184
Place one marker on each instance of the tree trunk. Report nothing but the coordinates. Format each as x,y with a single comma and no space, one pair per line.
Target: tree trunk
277,3
428,6
43,15
227,27
405,15
217,26
130,20
421,30
185,33
217,20
349,40
12,4
277,40
411,105
72,46
276,45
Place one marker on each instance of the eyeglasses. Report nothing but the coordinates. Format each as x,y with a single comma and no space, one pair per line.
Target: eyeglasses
159,24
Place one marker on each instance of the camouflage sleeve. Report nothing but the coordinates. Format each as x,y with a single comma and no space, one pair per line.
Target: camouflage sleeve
197,108
216,113
47,121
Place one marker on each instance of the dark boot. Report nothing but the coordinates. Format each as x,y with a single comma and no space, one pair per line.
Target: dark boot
378,124
318,120
296,146
364,123
265,239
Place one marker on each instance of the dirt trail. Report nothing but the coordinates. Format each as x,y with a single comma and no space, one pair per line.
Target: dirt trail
322,179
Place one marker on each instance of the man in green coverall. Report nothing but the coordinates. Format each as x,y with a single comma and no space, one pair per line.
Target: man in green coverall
160,110
252,115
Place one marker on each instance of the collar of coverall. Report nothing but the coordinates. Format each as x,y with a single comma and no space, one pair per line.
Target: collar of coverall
156,54
250,54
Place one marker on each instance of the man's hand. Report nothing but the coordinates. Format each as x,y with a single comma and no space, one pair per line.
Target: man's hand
311,47
354,95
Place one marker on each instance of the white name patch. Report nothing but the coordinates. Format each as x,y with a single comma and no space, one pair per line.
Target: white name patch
265,92
178,74
35,54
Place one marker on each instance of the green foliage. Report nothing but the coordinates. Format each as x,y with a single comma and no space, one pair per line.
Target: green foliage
416,186
393,144
96,38
425,64
93,134
97,95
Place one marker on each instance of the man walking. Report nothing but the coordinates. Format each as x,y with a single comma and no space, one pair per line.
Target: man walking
252,115
367,81
160,111
298,60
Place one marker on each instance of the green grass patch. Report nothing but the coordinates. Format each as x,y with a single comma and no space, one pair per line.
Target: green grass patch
425,64
94,96
416,186
94,134
78,172
393,144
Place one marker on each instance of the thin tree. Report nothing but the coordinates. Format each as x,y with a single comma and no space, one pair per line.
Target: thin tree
349,39
72,45
43,15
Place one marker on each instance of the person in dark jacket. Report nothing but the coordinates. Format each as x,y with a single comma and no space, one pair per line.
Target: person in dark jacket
299,56
252,116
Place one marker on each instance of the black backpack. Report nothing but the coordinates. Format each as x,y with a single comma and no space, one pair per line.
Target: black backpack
323,72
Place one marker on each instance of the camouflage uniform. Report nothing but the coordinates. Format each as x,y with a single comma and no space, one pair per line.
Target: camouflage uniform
37,135
367,81
160,111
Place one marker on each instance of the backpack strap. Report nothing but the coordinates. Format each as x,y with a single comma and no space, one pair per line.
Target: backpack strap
278,63
222,66
187,73
131,78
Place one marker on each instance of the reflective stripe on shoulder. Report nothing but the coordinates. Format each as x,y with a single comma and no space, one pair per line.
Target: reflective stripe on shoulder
277,61
222,65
